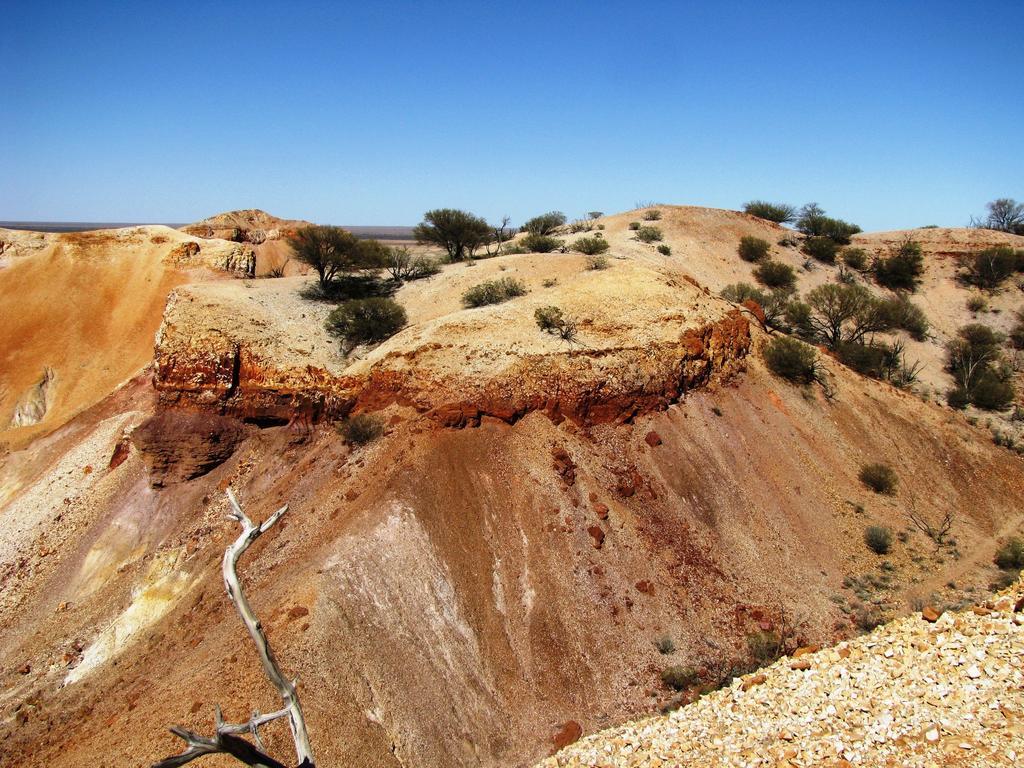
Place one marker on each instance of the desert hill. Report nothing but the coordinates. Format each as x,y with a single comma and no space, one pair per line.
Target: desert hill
265,232
85,306
499,572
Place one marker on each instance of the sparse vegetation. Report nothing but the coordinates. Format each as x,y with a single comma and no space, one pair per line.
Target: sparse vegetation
880,361
792,360
331,251
402,265
901,270
775,274
855,258
765,647
780,213
540,243
879,477
987,269
648,234
365,321
595,214
878,539
753,249
814,223
836,314
1004,215
772,302
900,312
664,250
545,224
551,319
652,215
665,645
977,302
598,262
679,678
361,429
493,292
460,233
1016,335
591,245
975,359
824,249
634,225
1010,556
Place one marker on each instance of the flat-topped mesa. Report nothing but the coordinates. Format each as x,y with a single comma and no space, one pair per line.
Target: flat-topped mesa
260,352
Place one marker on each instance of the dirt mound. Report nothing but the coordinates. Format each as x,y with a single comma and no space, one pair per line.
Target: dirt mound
180,445
916,692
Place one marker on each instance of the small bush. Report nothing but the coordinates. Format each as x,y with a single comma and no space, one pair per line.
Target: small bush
791,359
648,234
598,262
990,267
880,478
775,274
902,269
855,258
1010,556
493,292
591,245
780,213
550,282
544,224
992,393
753,248
878,539
634,225
652,215
361,429
900,312
814,223
1016,334
678,677
549,319
664,250
976,303
665,645
366,321
823,249
540,243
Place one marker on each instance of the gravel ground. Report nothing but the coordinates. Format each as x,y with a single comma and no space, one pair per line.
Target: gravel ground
911,693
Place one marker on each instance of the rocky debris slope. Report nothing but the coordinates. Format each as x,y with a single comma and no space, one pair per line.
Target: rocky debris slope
926,690
645,338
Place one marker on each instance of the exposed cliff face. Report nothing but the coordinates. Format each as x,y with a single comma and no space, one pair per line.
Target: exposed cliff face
636,353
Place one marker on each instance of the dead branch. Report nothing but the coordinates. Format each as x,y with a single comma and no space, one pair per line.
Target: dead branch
226,739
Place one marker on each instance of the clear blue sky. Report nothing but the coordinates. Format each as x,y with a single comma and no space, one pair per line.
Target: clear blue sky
889,114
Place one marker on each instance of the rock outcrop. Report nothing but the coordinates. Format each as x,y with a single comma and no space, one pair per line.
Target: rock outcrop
179,445
257,354
33,404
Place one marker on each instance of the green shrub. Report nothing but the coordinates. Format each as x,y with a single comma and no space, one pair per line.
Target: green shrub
773,303
991,393
990,267
548,318
878,539
775,274
900,312
879,477
814,223
855,258
791,359
460,233
780,213
678,677
1010,556
652,215
981,377
361,429
634,225
1016,335
493,292
753,248
544,224
976,302
823,249
540,243
664,250
598,262
648,234
902,269
591,245
665,645
365,321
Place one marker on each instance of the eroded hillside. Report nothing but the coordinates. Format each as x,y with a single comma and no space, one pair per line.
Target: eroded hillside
475,595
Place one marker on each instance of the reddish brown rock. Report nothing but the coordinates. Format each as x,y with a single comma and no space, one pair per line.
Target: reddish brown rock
120,454
297,612
182,445
569,733
653,439
597,535
601,510
645,586
750,682
930,613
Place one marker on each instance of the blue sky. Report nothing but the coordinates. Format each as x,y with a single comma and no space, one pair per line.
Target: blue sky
894,114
